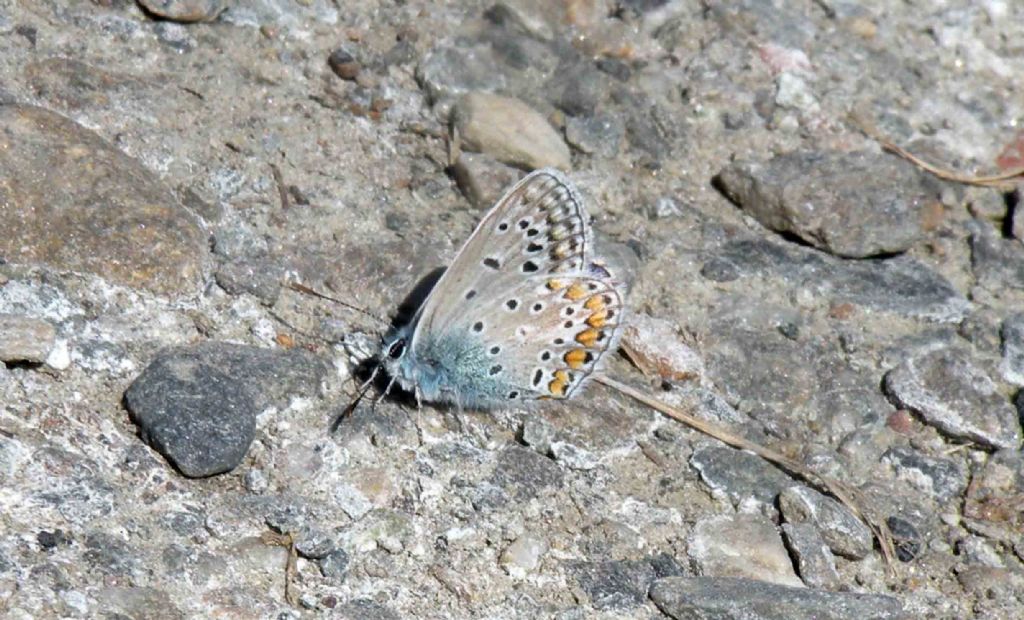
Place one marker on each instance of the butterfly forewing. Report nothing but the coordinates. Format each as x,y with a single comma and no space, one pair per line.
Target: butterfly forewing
538,227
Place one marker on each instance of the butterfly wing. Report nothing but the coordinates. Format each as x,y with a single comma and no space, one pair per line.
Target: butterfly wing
539,226
549,346
522,313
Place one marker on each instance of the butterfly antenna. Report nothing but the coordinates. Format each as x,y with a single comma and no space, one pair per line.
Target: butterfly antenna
302,288
351,407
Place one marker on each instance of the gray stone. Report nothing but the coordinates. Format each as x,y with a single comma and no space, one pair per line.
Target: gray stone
524,473
950,393
997,263
742,475
184,10
906,539
842,531
814,561
1012,332
538,434
510,131
198,405
334,566
744,545
686,598
483,179
600,134
279,13
900,285
66,182
364,609
25,339
314,543
448,72
573,456
258,278
848,204
942,479
615,585
992,506
138,602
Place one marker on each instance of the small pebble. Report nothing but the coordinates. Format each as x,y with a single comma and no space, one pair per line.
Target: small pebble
343,64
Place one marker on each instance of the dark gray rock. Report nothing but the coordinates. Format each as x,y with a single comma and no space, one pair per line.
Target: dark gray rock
524,474
258,278
899,285
615,585
740,474
687,598
842,531
198,405
906,538
1012,332
943,479
814,562
997,263
314,543
952,394
334,566
848,204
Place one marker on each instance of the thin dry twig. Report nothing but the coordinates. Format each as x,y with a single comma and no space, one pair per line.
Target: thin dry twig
282,189
1004,181
840,491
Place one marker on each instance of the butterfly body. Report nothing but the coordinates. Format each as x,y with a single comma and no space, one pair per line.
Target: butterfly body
524,312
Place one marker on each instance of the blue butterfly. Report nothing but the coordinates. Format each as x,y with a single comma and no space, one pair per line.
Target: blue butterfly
525,312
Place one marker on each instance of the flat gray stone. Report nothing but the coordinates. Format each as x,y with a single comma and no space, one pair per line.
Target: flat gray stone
744,545
739,474
848,204
941,478
185,11
842,531
814,561
71,201
700,598
952,394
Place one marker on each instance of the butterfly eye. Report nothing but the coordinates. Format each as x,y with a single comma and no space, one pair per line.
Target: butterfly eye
396,350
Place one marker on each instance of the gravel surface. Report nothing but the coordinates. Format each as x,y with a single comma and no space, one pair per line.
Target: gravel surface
175,436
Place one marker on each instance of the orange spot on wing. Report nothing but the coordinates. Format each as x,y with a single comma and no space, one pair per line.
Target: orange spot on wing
557,285
576,292
560,382
597,319
588,337
594,303
575,358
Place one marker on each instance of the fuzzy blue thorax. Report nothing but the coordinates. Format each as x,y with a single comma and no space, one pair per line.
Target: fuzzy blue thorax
450,369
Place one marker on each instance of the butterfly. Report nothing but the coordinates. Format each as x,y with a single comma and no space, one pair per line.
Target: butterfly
525,312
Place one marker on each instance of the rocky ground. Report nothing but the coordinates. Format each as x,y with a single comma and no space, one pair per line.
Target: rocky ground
166,405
